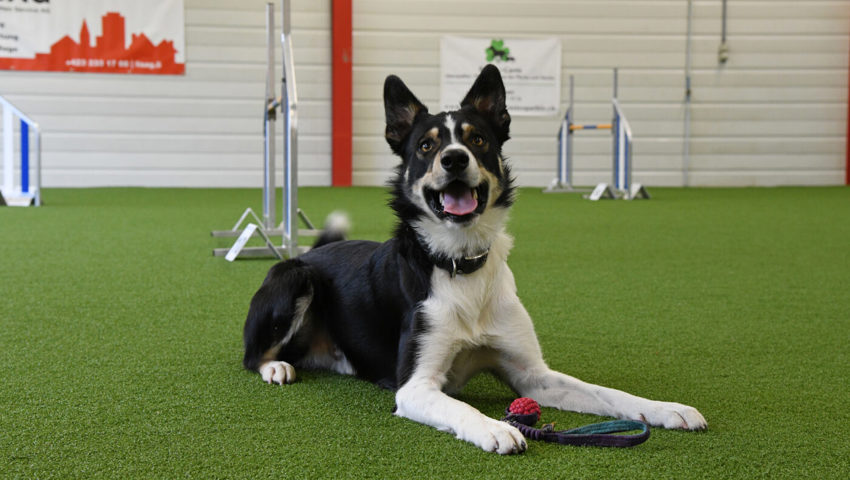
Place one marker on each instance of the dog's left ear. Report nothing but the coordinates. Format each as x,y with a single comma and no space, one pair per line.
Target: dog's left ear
487,95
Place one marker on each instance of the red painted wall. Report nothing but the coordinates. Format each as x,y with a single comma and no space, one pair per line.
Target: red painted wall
341,93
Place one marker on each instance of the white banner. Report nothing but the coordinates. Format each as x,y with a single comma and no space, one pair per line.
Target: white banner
531,71
104,36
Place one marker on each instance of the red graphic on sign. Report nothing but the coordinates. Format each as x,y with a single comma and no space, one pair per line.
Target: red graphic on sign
108,55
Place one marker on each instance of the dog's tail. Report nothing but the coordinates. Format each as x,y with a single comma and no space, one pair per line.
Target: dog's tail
336,228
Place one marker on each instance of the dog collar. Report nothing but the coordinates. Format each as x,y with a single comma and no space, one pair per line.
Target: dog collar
463,265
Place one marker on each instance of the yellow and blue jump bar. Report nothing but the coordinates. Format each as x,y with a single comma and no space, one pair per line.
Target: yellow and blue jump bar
598,126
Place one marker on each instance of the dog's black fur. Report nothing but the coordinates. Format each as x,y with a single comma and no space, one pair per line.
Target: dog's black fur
365,294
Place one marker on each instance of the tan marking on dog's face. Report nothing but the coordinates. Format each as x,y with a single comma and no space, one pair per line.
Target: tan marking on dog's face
432,136
493,184
428,143
430,178
472,139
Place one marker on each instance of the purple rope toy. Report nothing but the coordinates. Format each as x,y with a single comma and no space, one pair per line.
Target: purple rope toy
523,413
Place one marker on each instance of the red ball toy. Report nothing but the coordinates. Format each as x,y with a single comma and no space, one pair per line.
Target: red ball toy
525,406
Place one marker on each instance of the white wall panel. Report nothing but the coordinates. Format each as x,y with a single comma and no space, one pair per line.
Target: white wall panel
774,114
203,128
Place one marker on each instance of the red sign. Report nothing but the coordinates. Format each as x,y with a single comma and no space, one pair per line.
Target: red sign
110,51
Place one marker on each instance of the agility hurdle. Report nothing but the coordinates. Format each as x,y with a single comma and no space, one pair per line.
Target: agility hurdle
268,226
621,185
26,193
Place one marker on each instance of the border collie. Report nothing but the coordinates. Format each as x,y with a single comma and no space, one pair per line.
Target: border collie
426,310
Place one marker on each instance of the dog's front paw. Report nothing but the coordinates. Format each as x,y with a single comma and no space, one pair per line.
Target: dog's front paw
277,372
494,436
674,415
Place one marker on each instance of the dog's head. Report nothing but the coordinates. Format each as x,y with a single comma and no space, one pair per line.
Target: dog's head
452,172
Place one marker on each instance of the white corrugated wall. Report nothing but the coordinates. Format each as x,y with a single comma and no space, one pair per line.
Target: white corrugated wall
203,128
774,114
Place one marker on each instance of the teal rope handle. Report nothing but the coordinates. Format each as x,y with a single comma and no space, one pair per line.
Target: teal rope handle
597,435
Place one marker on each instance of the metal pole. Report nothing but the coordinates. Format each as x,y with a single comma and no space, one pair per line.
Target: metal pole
25,157
622,150
269,187
38,165
615,169
8,151
686,158
290,150
723,50
562,152
627,163
615,133
569,137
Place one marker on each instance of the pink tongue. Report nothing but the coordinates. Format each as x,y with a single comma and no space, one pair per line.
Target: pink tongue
459,201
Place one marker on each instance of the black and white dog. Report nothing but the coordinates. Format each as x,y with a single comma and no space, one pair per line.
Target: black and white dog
437,303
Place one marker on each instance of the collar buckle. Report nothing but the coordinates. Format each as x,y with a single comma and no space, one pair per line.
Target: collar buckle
465,265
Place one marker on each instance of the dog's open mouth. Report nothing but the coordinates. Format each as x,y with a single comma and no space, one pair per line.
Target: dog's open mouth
458,201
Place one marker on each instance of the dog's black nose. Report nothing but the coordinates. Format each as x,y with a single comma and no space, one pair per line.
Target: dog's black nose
454,161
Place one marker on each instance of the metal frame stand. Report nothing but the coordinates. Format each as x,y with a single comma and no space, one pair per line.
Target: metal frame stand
267,227
621,185
27,193
564,181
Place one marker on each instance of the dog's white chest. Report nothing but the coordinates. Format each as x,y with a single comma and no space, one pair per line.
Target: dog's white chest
461,309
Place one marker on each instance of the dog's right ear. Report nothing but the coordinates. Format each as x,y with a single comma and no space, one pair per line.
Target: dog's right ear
401,108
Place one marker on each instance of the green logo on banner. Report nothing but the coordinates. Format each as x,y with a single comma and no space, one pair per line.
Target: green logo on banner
498,51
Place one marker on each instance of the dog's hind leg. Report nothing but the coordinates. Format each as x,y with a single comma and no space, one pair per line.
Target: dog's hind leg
277,332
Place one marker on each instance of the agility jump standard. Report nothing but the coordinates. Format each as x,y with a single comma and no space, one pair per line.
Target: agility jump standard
25,194
621,185
267,227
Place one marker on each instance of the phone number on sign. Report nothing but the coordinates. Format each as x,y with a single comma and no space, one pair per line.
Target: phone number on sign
112,63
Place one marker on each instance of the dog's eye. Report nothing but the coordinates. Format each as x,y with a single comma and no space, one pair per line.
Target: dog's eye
478,140
426,146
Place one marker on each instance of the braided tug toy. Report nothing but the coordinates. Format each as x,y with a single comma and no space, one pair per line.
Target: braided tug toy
524,412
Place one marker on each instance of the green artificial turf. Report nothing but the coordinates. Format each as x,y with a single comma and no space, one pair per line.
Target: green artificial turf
120,339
